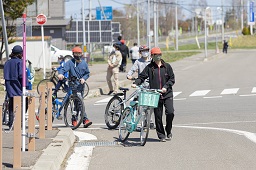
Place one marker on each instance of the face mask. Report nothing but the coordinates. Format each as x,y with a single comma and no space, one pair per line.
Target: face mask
157,57
77,57
145,54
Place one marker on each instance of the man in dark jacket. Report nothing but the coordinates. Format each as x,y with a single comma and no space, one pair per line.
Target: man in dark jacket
13,78
125,53
160,76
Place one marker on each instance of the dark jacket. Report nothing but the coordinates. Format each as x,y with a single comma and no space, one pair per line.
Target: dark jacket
124,51
159,78
13,77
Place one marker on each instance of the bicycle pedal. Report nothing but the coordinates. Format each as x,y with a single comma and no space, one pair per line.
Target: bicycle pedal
60,117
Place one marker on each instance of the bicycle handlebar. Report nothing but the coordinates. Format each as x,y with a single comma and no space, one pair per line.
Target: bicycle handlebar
151,90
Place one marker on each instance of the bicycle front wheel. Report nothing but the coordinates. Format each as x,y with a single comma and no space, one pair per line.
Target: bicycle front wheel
74,112
145,123
113,112
125,124
85,90
44,82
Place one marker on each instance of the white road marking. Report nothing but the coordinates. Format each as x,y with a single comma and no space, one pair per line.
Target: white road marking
200,93
247,95
249,135
254,90
103,100
212,97
230,91
176,93
180,99
81,157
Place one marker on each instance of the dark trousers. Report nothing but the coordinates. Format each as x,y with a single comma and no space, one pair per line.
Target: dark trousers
11,111
169,111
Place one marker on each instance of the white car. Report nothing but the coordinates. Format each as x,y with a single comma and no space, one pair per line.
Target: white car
56,52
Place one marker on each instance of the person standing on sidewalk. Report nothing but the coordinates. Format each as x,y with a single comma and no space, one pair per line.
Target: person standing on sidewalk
114,61
125,53
160,76
135,55
78,68
13,79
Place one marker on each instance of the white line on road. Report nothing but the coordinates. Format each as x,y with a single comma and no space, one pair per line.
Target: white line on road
180,99
176,93
213,97
247,95
248,135
254,90
200,93
230,91
103,100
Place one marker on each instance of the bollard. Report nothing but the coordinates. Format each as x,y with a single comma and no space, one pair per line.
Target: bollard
31,124
42,112
49,106
17,132
1,144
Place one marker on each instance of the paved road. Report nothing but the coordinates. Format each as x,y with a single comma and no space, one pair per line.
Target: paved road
214,125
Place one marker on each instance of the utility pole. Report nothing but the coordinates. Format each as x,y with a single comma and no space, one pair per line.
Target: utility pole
176,27
138,23
4,30
89,40
155,26
242,14
83,18
148,26
222,13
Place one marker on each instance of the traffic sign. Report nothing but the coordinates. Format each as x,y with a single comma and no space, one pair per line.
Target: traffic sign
41,19
104,13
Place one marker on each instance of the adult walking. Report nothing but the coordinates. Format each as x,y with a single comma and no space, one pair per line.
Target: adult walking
134,51
160,76
13,79
114,61
125,53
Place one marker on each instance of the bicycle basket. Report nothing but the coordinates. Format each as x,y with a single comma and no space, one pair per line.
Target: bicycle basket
149,99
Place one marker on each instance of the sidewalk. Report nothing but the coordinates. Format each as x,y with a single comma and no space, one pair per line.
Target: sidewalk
51,151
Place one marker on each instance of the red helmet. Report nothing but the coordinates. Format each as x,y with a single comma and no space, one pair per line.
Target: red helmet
77,50
143,48
156,50
122,41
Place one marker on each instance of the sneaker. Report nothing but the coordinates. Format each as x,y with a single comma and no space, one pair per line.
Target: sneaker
162,140
74,123
169,137
87,123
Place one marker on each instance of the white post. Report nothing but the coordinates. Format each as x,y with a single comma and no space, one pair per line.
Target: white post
148,25
83,19
176,26
138,23
222,14
155,26
205,34
242,14
42,31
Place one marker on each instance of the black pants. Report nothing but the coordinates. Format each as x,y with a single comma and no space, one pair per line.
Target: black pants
169,111
11,113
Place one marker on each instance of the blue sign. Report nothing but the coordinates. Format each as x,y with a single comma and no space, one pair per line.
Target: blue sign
251,15
104,13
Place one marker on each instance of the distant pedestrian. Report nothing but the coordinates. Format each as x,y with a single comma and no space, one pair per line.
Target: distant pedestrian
13,79
135,55
225,47
125,54
114,61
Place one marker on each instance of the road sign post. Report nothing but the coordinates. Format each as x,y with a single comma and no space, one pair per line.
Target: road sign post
41,20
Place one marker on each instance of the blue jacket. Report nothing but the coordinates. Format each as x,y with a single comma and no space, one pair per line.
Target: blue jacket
13,77
79,70
60,67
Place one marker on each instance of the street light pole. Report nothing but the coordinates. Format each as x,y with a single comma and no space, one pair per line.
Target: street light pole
176,26
138,23
222,13
205,34
148,26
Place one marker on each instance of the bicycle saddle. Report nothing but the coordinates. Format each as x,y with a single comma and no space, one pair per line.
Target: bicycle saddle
125,89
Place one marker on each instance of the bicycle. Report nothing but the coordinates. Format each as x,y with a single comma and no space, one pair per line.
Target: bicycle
54,79
5,110
115,108
73,106
139,112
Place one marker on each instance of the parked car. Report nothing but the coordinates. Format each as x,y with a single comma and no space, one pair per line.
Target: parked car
56,52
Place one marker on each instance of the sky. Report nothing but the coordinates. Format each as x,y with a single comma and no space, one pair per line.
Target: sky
73,7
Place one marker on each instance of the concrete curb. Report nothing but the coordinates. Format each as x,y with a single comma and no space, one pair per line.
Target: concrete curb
54,155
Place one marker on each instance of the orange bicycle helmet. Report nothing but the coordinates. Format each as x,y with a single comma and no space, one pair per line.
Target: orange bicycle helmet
156,50
77,50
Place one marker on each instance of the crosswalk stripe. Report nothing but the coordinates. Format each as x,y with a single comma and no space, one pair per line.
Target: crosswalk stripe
230,91
254,90
176,93
103,100
200,93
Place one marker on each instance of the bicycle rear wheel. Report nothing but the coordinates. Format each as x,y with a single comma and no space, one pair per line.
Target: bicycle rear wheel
113,112
5,112
74,112
44,82
145,123
125,124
